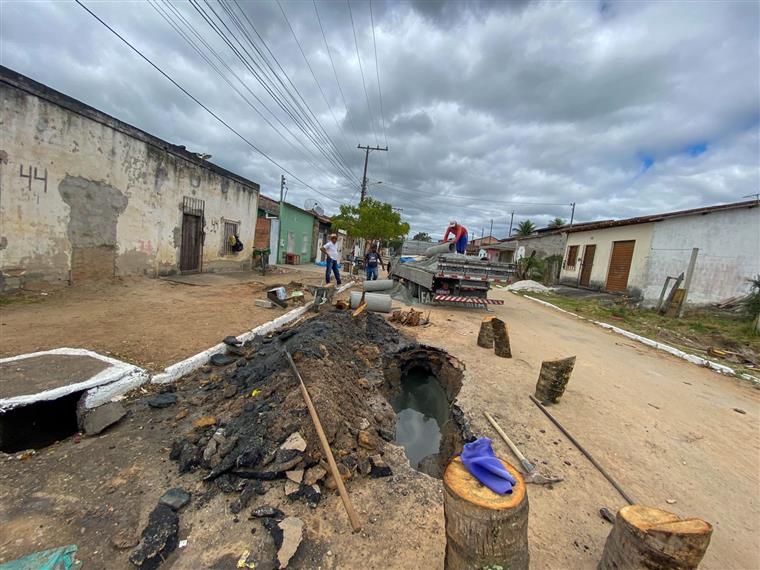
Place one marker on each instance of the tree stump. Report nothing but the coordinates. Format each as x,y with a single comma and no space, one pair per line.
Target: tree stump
483,529
485,336
553,379
645,537
501,338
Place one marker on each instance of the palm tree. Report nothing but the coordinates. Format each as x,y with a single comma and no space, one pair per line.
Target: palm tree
525,228
556,223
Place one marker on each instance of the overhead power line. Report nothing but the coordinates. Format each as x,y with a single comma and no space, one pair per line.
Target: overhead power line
335,72
177,21
306,60
471,198
361,70
199,103
311,116
377,71
270,80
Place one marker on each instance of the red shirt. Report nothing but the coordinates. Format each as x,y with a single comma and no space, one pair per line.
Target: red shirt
459,230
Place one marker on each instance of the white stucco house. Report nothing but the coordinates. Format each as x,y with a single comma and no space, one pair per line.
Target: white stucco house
636,255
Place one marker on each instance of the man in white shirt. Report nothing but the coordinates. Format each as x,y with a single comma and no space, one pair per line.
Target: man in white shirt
333,258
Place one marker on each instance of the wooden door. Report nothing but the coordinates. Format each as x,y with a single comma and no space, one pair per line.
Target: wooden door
192,244
587,264
620,265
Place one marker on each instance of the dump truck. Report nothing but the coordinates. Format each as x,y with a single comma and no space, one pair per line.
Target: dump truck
441,276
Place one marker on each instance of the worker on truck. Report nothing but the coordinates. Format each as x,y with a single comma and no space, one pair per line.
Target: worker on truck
460,235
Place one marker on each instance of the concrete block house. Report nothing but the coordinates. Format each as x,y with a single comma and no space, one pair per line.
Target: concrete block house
636,255
86,196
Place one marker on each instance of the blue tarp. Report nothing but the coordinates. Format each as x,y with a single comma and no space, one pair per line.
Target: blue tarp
406,259
61,558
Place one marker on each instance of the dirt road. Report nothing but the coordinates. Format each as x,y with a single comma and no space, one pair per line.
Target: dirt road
150,322
666,429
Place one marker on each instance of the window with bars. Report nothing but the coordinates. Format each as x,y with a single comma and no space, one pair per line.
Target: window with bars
231,229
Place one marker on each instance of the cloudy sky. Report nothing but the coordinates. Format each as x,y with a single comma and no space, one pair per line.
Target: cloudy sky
624,108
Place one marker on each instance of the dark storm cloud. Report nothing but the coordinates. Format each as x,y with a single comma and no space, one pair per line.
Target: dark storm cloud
625,108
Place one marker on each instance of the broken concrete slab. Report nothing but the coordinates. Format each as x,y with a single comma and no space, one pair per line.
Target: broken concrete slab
162,400
94,421
175,498
159,538
79,370
294,441
314,475
266,303
296,475
292,534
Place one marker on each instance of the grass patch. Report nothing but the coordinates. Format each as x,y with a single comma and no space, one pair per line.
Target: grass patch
695,332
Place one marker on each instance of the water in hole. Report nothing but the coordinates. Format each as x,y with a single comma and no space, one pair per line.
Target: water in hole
421,409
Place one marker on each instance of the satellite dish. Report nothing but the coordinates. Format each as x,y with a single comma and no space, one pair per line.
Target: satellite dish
319,210
310,204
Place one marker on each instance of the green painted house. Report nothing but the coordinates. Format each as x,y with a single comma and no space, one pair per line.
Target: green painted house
296,232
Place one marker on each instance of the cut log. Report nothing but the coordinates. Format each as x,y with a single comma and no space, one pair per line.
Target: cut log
483,529
501,345
485,336
553,379
645,537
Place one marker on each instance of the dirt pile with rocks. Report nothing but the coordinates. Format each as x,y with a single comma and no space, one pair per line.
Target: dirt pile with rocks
244,422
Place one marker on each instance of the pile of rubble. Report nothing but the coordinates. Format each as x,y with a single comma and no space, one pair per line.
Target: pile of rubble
245,427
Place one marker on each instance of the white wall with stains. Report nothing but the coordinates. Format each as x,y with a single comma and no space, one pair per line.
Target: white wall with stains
79,187
729,254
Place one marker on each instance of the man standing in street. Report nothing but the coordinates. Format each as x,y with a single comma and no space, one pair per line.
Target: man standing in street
333,258
371,261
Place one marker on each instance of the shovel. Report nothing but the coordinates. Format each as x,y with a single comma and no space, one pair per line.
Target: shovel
531,475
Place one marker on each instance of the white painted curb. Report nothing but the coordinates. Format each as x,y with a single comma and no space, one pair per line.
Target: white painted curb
119,377
178,370
694,359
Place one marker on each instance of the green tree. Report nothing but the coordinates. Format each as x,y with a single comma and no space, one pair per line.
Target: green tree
525,228
422,236
556,223
372,220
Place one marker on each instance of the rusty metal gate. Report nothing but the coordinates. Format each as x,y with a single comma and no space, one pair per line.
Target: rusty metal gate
191,247
620,265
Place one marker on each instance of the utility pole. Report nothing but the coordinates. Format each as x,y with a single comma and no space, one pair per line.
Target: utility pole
279,220
490,232
366,160
572,213
511,219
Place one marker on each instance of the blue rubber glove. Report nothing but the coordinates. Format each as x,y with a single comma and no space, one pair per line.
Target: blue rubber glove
480,460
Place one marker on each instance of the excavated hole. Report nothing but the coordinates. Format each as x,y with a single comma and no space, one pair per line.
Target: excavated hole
422,384
40,424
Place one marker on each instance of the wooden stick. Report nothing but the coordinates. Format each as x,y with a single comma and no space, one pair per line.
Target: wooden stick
352,515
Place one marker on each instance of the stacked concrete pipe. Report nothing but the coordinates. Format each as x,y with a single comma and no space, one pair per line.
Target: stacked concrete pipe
379,285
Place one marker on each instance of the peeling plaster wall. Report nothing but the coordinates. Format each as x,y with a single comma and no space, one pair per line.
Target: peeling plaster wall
85,189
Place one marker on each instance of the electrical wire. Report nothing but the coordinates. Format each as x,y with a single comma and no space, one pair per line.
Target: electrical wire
202,105
377,71
306,60
471,198
361,70
173,21
279,95
335,72
310,115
